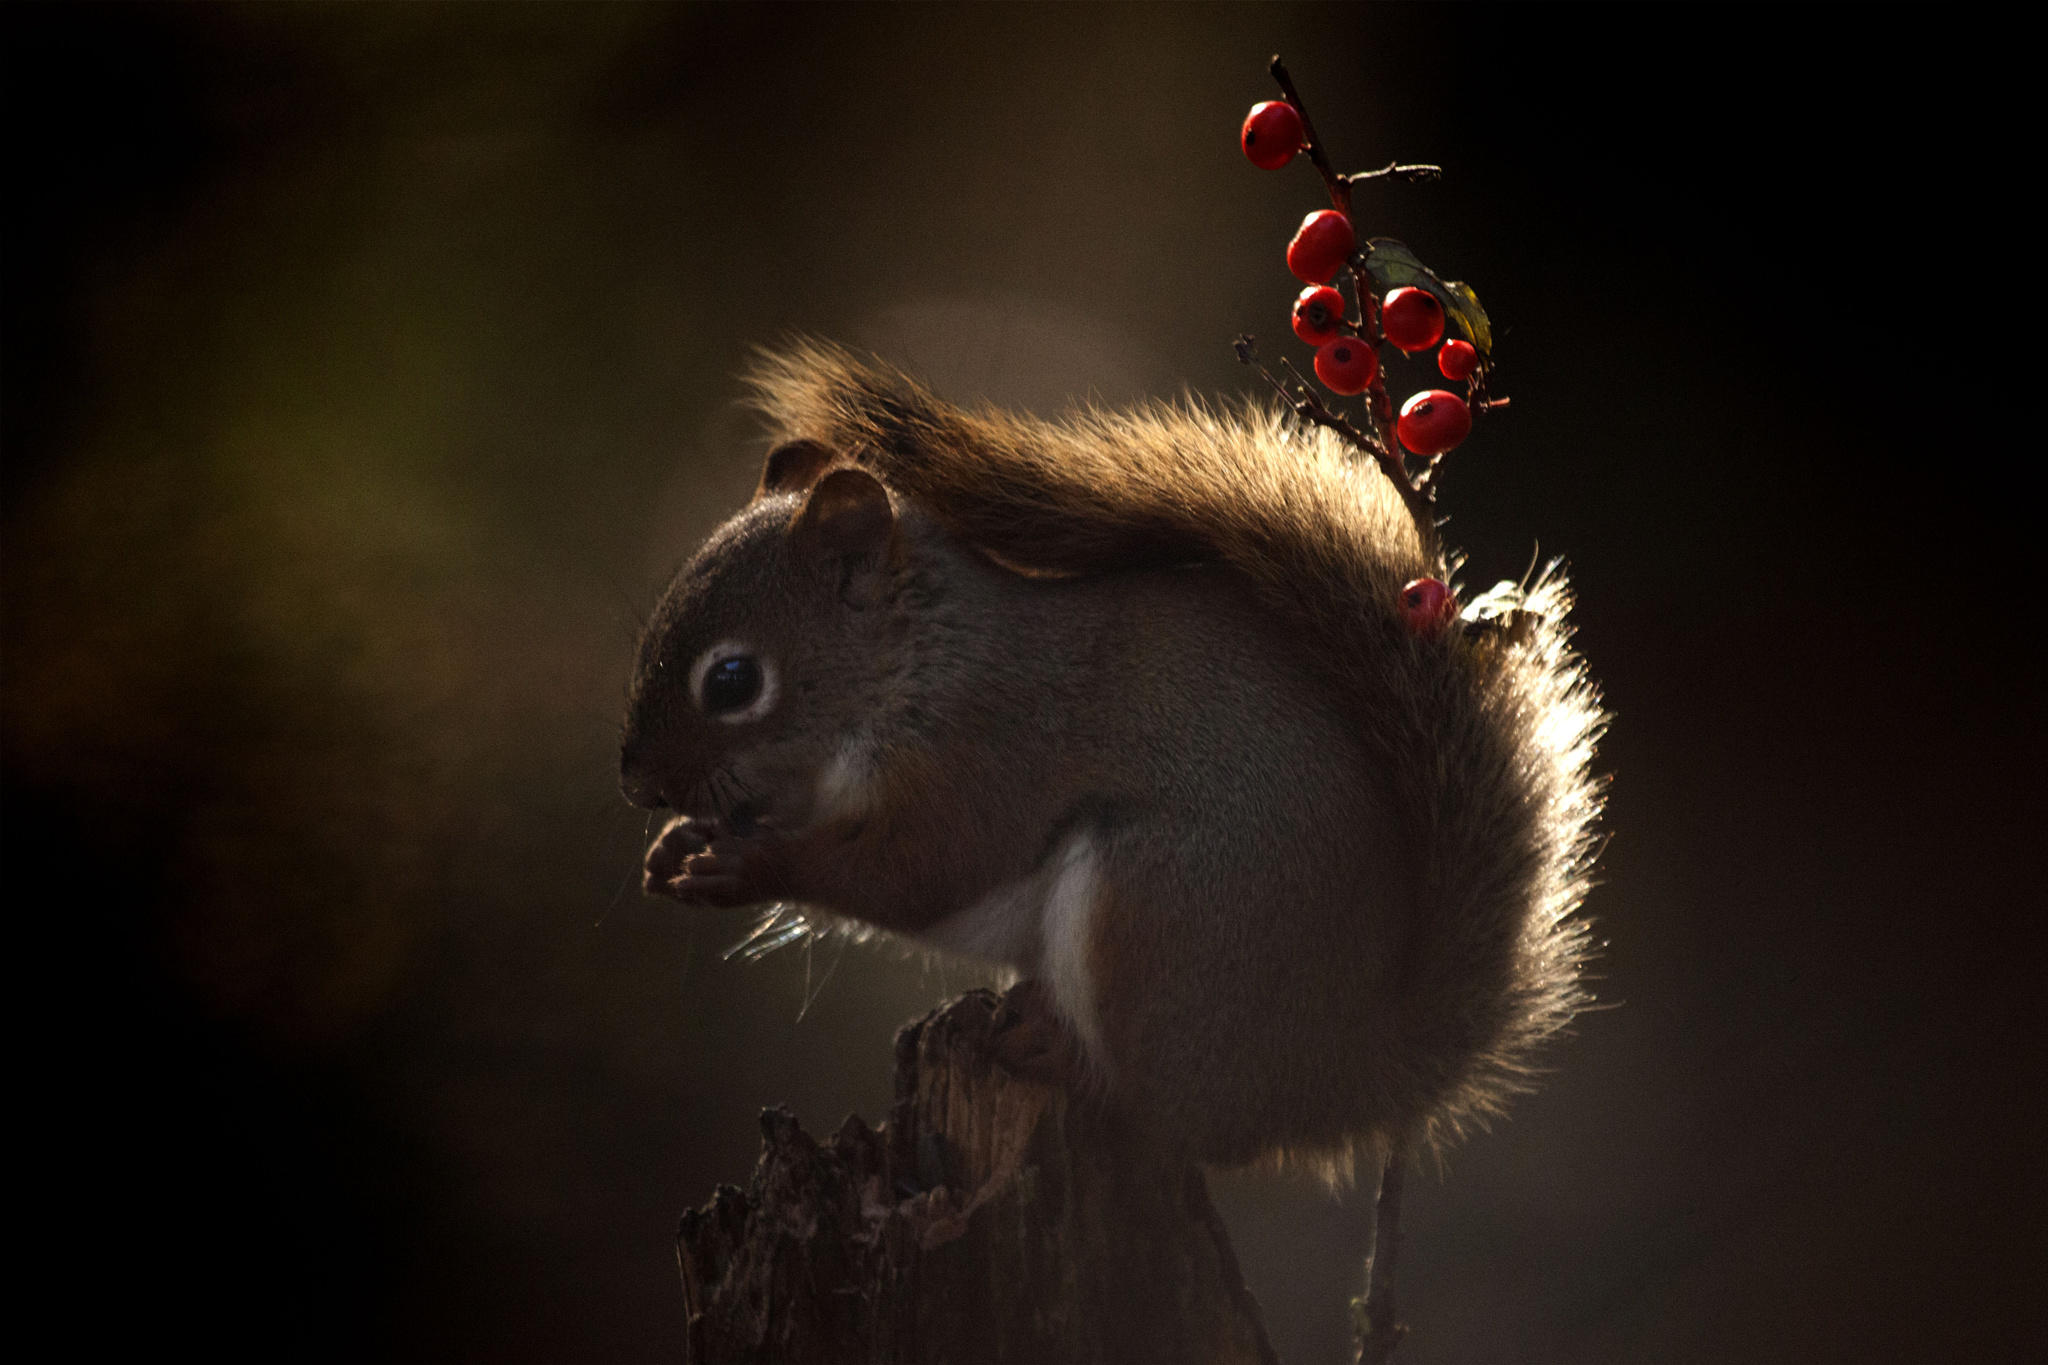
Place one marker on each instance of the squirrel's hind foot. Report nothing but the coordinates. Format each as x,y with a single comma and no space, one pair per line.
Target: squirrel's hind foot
1032,1042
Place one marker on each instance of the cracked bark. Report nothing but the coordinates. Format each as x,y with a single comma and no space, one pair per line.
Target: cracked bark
990,1219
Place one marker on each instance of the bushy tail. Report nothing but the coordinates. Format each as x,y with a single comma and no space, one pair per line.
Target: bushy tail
1486,741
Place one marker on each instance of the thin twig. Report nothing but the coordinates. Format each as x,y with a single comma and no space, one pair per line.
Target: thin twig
1308,405
1381,1331
1414,174
1338,185
1377,402
1426,480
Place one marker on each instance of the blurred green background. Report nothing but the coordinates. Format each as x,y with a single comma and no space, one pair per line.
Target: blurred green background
368,368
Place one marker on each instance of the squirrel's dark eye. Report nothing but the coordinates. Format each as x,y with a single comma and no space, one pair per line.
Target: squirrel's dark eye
731,684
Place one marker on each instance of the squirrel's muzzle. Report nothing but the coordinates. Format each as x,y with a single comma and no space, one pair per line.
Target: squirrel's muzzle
640,786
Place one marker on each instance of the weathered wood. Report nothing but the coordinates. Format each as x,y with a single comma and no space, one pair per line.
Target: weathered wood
991,1219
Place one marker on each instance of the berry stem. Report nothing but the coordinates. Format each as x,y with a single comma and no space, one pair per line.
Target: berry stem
1426,480
1308,405
1338,185
1378,405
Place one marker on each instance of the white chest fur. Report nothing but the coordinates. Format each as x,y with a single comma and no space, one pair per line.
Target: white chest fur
1042,925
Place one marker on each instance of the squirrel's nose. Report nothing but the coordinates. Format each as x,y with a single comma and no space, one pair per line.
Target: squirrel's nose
640,787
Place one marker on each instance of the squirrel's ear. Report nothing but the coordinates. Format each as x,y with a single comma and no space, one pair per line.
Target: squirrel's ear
848,513
792,467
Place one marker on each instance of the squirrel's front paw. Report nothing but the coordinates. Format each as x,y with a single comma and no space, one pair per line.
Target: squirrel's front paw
709,865
680,840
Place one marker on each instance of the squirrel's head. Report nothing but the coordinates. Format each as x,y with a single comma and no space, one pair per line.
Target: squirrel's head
771,645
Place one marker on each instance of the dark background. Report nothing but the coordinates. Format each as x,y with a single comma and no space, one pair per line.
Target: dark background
368,368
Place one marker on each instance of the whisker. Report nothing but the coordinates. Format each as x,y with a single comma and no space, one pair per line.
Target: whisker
630,601
617,896
780,924
811,997
632,871
804,1000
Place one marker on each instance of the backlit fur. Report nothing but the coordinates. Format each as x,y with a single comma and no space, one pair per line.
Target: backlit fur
1480,741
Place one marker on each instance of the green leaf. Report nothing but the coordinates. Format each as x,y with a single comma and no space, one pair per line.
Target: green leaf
1390,264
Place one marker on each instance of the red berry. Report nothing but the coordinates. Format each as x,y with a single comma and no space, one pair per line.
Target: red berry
1321,245
1427,606
1433,421
1347,365
1272,134
1319,314
1412,318
1457,359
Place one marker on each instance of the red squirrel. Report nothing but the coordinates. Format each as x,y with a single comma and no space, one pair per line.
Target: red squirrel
1126,703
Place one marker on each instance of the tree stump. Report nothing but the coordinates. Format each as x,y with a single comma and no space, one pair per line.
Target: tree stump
991,1219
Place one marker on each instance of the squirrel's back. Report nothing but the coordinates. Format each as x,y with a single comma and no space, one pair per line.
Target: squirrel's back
1479,737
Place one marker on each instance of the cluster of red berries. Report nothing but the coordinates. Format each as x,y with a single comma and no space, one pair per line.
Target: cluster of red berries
1431,422
1347,355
